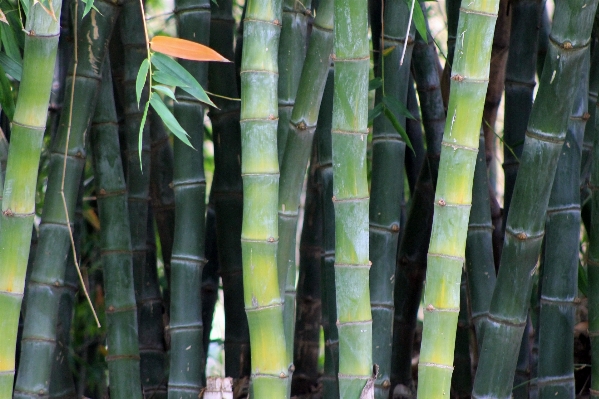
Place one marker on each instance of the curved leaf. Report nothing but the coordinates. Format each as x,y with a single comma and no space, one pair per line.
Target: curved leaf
185,49
169,119
140,81
398,127
172,68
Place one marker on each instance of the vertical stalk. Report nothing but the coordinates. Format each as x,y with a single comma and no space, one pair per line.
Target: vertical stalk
414,159
559,288
18,203
525,225
330,383
298,123
308,315
121,309
470,73
387,188
350,196
187,363
210,278
410,264
67,161
260,171
227,192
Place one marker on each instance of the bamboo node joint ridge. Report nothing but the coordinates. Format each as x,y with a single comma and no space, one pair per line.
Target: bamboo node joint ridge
8,212
457,77
442,202
521,236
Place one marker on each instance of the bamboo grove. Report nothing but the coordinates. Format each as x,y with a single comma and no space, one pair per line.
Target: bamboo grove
359,199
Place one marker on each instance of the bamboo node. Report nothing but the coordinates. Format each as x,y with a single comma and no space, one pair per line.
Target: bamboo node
57,284
283,375
271,239
430,307
171,185
8,212
567,45
457,77
102,191
111,308
301,125
394,227
333,57
386,384
521,236
442,202
586,116
272,117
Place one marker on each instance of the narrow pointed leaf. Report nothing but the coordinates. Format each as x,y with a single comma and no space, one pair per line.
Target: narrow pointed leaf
165,90
388,50
375,84
6,98
10,43
10,66
376,111
419,22
172,67
169,119
141,79
141,130
398,127
397,107
166,79
185,49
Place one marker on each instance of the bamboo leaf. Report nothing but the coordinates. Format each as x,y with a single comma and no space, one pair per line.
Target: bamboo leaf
185,49
420,21
141,130
375,84
375,112
89,4
25,5
398,127
12,67
397,106
166,79
3,18
165,90
169,119
10,43
172,67
140,81
388,50
7,100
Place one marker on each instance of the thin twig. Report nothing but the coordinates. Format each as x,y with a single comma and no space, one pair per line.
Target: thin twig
64,170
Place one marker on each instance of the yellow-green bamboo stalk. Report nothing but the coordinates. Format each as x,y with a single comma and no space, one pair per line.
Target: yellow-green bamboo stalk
453,197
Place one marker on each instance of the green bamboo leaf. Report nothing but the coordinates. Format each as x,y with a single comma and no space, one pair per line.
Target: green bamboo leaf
388,50
172,67
7,100
89,4
25,5
10,66
10,43
397,107
165,90
375,84
398,127
419,21
141,129
169,80
140,81
169,119
376,111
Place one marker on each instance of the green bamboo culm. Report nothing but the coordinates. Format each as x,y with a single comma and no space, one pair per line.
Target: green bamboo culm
227,192
330,382
387,188
296,128
260,171
39,338
187,362
115,238
350,196
18,203
526,220
3,158
559,288
410,266
593,251
453,196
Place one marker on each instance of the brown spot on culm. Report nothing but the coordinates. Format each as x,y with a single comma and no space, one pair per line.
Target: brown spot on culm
521,236
457,77
441,202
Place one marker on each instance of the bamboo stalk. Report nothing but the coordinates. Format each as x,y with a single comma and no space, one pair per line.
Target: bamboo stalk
414,159
18,204
227,194
260,172
67,161
559,288
187,358
308,314
328,290
121,310
350,196
524,231
470,72
411,258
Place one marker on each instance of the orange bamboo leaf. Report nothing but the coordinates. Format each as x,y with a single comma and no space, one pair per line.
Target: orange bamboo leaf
185,49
